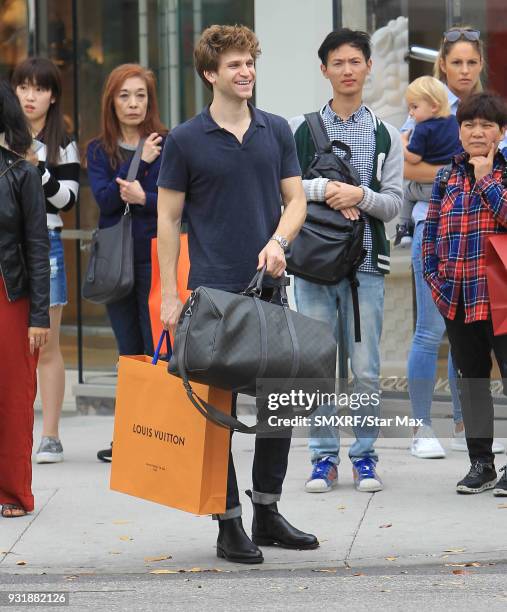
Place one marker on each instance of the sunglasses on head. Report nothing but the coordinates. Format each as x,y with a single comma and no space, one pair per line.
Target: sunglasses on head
454,35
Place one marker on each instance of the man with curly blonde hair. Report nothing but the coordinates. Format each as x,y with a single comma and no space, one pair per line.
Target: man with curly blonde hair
232,166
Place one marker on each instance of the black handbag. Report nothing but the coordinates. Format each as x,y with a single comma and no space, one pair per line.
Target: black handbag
329,247
110,273
230,341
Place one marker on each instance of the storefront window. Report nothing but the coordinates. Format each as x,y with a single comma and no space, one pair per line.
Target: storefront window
13,34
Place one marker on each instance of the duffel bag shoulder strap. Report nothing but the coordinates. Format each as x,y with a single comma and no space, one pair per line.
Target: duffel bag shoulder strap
205,408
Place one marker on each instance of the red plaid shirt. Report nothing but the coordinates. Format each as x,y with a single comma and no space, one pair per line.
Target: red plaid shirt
454,239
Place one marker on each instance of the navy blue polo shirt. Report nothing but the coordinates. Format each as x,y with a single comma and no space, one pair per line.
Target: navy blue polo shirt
232,192
436,140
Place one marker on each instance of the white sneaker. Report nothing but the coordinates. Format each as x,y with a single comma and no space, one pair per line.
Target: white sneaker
425,444
459,443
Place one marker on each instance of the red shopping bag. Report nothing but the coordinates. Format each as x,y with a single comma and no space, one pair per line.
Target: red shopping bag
496,272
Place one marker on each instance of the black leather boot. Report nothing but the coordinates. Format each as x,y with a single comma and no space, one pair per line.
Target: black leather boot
270,528
234,545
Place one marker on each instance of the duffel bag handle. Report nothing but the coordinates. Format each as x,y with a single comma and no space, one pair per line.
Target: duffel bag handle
255,286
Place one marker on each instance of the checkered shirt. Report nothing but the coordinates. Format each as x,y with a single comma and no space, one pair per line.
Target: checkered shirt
358,132
454,240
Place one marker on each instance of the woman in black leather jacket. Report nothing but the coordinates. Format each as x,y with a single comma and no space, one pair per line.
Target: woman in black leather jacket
24,303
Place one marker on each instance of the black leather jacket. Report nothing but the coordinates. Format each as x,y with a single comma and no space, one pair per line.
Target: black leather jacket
24,242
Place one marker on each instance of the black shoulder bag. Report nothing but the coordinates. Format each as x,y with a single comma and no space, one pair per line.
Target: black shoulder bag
110,273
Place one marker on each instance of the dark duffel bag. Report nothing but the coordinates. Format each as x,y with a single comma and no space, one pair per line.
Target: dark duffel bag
230,340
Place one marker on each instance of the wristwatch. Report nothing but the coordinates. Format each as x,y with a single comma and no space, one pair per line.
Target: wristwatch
283,242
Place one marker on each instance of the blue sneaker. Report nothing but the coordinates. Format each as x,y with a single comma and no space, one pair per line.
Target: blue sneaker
324,476
365,476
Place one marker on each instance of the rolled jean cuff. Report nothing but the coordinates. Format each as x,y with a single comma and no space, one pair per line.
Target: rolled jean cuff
228,514
265,498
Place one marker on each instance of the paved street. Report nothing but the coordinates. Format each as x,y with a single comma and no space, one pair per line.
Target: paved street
388,548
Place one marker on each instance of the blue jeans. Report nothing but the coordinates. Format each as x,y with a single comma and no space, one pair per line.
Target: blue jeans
58,280
130,316
325,302
422,358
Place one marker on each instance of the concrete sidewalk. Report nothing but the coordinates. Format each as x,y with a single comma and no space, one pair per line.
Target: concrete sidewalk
80,526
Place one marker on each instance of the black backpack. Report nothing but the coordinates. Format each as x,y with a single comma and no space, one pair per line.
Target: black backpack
329,247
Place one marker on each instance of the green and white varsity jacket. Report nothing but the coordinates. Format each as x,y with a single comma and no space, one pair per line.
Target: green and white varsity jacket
382,198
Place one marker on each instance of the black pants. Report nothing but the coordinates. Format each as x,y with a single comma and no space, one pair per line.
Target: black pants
471,346
270,458
130,316
269,467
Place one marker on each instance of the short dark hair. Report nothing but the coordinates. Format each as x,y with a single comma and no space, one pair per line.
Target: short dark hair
484,105
344,36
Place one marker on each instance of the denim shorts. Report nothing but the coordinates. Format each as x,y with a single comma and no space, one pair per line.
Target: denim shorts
58,288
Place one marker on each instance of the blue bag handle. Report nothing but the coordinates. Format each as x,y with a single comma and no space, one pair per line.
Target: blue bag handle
165,334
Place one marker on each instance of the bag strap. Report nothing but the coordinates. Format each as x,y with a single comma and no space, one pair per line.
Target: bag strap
156,356
446,174
205,408
320,137
10,166
135,161
318,132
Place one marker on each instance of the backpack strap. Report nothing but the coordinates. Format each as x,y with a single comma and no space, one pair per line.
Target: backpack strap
444,179
318,132
320,137
446,173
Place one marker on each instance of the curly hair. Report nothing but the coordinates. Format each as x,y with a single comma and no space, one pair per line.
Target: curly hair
216,40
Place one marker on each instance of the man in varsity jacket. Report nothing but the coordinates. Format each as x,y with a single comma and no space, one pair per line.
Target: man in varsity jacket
377,155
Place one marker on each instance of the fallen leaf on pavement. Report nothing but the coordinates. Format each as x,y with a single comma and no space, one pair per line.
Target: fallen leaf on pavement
20,562
502,506
122,522
125,538
358,574
454,550
341,507
153,559
458,572
473,564
302,588
114,552
385,526
327,571
165,571
391,558
385,591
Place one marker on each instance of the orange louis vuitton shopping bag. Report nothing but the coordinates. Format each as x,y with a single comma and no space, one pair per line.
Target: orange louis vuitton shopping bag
164,450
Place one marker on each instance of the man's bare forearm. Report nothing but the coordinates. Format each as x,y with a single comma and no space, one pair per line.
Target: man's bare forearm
168,245
294,213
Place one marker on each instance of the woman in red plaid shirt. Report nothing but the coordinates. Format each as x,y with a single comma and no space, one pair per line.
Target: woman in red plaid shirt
462,212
